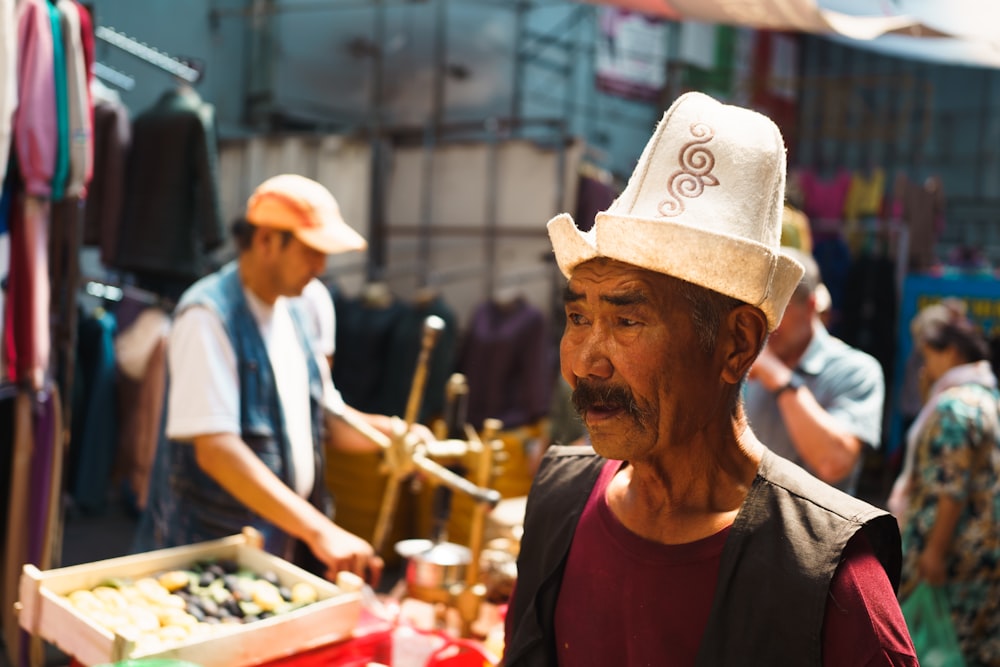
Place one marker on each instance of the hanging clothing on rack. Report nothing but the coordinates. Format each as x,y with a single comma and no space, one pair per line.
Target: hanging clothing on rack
106,194
6,195
36,134
404,348
365,326
50,54
74,168
868,316
172,219
94,423
378,337
89,54
862,209
795,230
865,194
61,175
15,539
823,201
595,193
8,76
8,104
505,358
920,206
65,227
35,464
46,463
27,345
11,403
78,76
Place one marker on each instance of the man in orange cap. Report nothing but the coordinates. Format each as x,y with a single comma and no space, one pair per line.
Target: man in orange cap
251,401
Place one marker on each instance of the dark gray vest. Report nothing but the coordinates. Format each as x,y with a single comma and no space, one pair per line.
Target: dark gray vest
774,576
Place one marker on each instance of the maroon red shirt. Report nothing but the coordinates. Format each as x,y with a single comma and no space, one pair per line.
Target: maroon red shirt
626,600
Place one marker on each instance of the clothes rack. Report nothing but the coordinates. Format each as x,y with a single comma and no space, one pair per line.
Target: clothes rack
109,291
147,53
113,76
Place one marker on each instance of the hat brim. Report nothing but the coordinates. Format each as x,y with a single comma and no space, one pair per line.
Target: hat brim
332,238
740,268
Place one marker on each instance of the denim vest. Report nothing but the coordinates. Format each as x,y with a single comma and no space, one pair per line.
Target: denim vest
185,504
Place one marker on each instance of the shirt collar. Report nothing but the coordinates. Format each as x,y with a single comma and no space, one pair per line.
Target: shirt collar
814,359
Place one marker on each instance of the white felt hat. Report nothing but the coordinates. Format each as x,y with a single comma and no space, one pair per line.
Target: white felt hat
704,205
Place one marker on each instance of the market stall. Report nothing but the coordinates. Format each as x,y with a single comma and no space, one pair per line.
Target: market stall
228,603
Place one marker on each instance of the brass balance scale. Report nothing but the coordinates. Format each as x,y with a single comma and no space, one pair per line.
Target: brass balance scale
435,568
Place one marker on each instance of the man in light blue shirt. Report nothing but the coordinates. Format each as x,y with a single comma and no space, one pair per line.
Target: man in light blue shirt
811,397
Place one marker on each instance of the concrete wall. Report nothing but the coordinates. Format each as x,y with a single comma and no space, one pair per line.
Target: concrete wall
315,63
480,234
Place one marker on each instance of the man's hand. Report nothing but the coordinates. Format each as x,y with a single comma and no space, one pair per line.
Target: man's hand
769,370
228,460
420,433
340,550
828,447
932,564
932,567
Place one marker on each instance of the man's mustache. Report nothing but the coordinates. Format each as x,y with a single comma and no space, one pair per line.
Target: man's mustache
589,394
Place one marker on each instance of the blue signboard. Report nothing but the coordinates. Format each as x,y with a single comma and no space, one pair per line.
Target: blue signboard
981,295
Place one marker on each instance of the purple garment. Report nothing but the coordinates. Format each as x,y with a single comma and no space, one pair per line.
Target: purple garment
592,197
42,463
504,356
45,458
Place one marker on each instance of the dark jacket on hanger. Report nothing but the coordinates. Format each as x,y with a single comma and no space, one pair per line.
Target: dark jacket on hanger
106,195
94,426
171,221
404,350
505,357
364,340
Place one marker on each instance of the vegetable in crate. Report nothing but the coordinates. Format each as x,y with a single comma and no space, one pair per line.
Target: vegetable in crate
170,607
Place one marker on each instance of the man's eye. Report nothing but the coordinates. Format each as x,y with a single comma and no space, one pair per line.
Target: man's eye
626,322
575,318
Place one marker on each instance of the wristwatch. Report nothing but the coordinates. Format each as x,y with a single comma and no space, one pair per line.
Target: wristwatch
793,384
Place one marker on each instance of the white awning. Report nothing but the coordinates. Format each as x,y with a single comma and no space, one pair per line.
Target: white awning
964,32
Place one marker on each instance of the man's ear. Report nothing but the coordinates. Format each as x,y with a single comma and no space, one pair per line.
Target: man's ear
746,331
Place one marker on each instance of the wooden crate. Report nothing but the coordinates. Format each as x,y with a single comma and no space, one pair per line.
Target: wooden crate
43,610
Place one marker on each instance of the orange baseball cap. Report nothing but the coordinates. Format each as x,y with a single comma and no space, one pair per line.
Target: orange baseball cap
307,209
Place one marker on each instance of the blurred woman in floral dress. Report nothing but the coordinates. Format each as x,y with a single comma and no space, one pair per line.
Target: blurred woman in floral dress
948,495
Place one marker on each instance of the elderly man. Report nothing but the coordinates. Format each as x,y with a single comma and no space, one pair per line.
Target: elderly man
813,398
681,539
251,402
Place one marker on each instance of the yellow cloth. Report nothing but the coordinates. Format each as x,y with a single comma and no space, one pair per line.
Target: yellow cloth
795,230
865,194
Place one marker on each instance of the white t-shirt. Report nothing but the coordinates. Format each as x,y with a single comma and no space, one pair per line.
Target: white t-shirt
321,316
204,385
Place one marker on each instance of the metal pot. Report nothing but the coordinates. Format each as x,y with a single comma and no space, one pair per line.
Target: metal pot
433,568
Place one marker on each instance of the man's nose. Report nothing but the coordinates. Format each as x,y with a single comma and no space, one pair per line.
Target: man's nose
590,359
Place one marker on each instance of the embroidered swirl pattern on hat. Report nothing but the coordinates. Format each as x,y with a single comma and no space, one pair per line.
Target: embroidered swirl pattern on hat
695,173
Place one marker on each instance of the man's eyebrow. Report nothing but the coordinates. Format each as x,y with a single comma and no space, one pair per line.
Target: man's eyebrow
626,299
